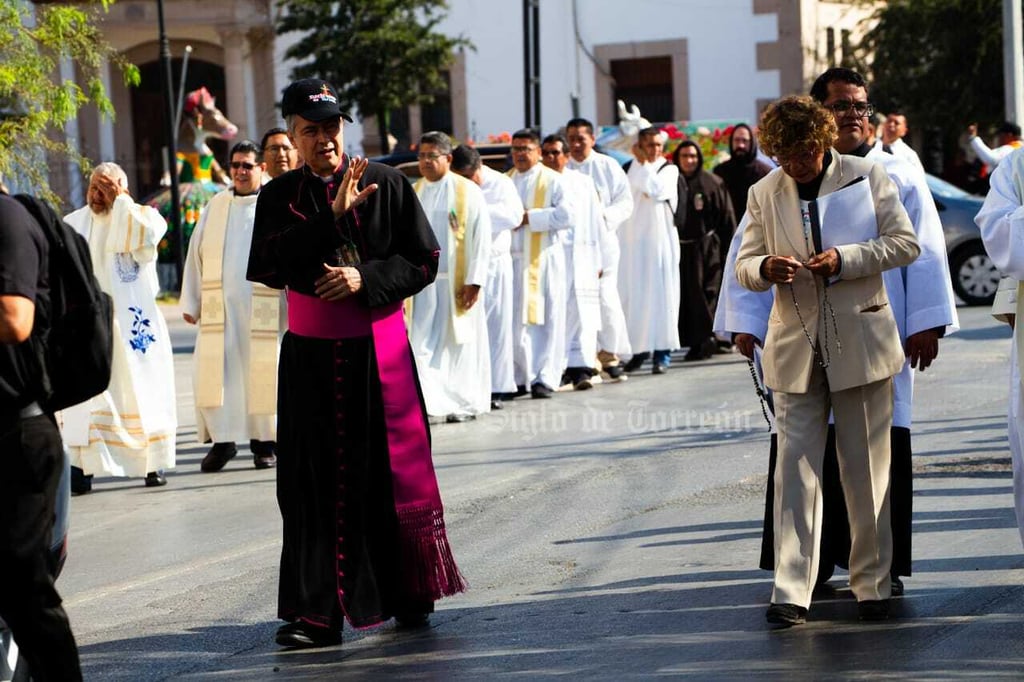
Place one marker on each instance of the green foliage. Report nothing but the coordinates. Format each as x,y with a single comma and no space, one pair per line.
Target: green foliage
380,54
35,103
938,61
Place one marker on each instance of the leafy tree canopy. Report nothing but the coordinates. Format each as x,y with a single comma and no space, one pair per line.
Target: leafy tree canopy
380,54
35,102
938,61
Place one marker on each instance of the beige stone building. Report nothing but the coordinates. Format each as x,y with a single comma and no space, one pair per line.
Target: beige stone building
686,59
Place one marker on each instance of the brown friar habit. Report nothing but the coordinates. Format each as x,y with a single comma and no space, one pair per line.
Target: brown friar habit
710,224
350,548
740,172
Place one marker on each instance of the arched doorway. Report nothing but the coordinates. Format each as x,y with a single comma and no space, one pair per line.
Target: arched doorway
148,116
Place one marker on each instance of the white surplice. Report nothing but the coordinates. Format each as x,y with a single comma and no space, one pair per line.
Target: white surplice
920,294
231,422
649,269
540,343
583,266
506,212
129,429
1001,220
617,202
452,354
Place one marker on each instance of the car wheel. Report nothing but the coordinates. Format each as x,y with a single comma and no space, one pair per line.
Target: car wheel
975,276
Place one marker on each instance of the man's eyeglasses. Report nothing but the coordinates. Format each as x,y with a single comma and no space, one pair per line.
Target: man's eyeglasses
278,149
551,152
522,149
243,164
843,107
429,156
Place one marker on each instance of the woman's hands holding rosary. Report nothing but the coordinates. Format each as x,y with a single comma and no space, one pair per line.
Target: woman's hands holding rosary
782,269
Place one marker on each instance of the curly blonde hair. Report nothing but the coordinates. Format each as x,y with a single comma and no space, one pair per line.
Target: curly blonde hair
796,124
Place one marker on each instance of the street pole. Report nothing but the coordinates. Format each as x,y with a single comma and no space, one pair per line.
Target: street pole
172,160
1013,61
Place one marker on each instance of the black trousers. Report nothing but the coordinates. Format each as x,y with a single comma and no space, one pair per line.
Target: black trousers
31,462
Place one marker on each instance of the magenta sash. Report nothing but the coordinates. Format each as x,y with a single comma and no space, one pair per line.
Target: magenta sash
428,564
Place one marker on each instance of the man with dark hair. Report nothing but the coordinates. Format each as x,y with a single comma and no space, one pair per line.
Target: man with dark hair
538,260
277,153
1007,139
582,257
447,326
922,301
506,211
741,171
363,521
33,459
617,202
240,323
704,240
649,285
891,137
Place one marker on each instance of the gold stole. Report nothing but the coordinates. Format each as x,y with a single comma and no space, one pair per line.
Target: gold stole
532,249
264,323
458,220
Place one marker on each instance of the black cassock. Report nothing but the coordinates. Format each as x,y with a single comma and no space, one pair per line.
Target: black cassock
344,552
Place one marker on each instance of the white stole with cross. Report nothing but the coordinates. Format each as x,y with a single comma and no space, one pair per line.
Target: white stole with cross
264,323
456,256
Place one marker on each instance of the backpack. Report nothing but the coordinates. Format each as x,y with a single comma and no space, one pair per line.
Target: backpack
77,350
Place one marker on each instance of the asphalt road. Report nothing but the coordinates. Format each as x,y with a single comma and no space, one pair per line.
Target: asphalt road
607,534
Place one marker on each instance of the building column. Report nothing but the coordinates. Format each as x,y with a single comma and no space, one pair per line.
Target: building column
264,96
235,47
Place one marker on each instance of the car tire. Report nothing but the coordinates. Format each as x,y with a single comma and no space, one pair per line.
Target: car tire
975,276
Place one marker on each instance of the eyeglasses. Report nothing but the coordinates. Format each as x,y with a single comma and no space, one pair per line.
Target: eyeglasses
429,156
551,152
279,149
801,157
522,149
243,164
843,107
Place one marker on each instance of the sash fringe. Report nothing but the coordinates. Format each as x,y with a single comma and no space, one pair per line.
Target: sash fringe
430,569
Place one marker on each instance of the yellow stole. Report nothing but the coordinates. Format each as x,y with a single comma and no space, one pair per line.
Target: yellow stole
264,323
458,219
532,249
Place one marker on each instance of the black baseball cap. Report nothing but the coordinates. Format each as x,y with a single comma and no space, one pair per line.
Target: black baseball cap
312,99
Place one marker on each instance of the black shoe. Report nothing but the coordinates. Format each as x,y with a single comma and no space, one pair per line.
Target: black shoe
873,609
411,621
540,390
459,418
897,586
520,391
497,404
613,371
155,479
659,369
786,615
80,483
301,635
634,363
217,457
263,456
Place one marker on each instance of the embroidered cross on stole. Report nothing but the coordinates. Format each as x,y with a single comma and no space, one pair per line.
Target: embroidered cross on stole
264,323
532,249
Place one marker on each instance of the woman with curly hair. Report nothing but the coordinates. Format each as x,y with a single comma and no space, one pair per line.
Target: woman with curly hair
832,344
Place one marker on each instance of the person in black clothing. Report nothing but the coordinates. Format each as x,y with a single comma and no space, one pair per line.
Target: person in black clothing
31,455
709,225
363,523
741,171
